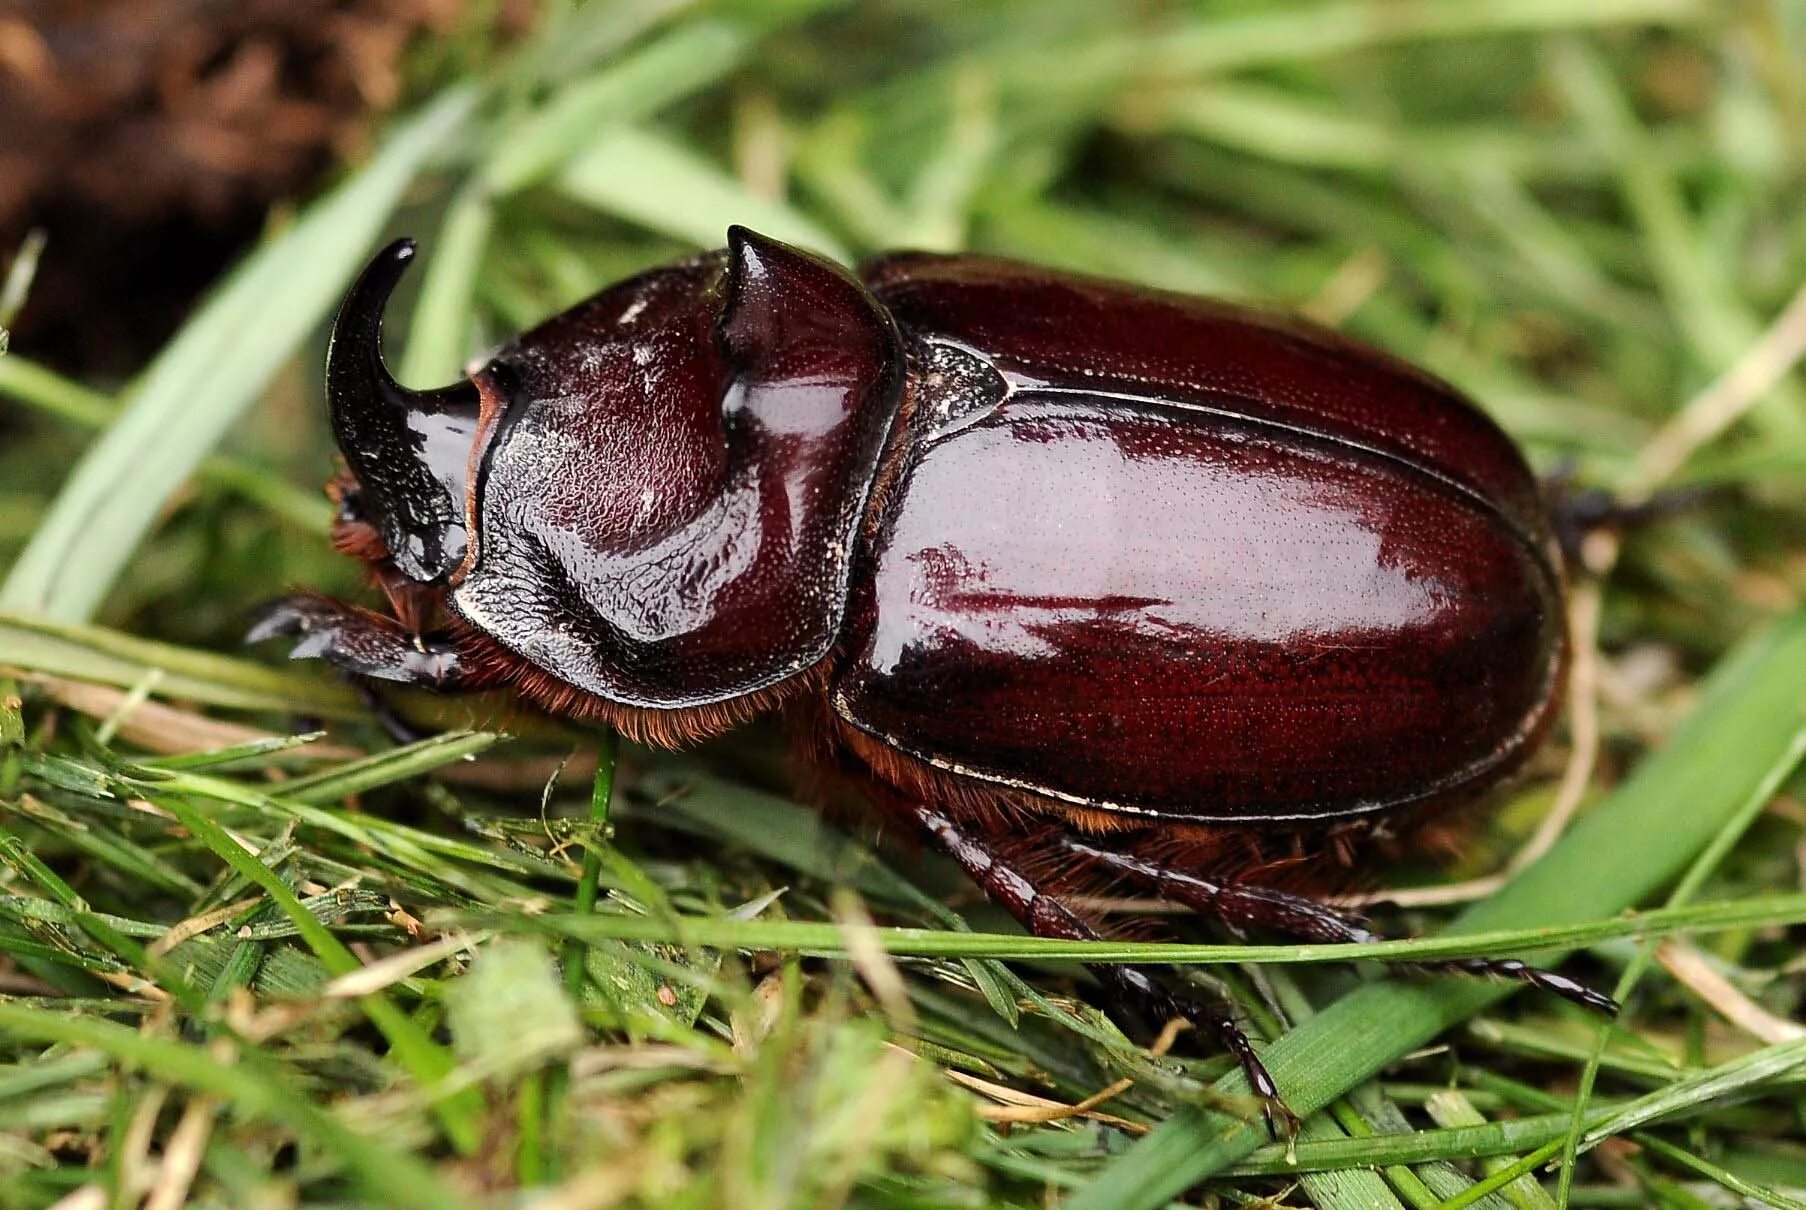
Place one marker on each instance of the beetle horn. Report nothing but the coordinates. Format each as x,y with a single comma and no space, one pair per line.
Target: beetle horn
788,311
410,450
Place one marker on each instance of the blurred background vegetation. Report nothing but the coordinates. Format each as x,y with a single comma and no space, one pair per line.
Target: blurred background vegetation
1587,215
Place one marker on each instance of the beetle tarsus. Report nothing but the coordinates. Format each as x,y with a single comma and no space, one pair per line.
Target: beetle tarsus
1138,992
1134,990
1240,906
1571,990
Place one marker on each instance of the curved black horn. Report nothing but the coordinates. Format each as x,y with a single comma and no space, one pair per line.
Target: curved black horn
409,449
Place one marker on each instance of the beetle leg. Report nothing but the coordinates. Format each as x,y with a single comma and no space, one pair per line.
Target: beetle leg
387,717
1133,987
1240,905
1577,512
362,643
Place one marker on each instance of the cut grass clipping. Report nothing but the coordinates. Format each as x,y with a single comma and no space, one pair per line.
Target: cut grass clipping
251,954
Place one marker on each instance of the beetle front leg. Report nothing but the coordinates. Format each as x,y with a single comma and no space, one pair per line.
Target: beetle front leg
362,643
1133,988
1240,905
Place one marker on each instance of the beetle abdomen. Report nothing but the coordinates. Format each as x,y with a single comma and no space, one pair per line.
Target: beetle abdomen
1148,607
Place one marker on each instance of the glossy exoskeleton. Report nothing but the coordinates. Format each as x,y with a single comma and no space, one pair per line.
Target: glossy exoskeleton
1089,583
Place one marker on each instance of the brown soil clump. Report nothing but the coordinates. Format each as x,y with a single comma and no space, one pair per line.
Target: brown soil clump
147,138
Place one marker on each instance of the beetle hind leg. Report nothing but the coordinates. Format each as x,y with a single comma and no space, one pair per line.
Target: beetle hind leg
1240,905
1134,989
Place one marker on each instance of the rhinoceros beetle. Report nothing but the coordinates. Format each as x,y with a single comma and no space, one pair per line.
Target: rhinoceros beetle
1086,582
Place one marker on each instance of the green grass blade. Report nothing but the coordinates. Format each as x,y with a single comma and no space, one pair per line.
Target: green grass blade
15,286
439,338
209,375
1316,31
45,391
393,1177
1746,734
677,63
385,768
425,1059
643,177
1695,285
107,657
827,939
1782,1058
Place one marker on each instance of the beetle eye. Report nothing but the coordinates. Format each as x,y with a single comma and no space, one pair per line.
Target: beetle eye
351,507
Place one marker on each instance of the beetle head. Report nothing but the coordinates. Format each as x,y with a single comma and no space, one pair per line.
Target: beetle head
653,495
409,450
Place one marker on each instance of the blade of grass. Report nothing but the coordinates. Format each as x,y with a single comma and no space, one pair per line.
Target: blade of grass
676,63
1705,307
1447,1143
252,752
15,287
386,768
102,845
576,37
404,846
826,939
14,852
1742,739
940,199
428,1062
110,657
1781,1059
552,1091
1760,1195
1698,871
601,795
772,826
48,392
209,374
439,336
92,653
393,1177
12,720
646,178
1320,30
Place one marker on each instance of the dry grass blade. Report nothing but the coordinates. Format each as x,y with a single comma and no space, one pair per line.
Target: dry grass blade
1691,969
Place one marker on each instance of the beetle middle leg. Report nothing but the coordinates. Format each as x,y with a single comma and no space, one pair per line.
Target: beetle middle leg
1240,905
1133,988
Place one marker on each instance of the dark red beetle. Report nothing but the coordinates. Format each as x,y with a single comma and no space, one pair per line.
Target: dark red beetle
1088,582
